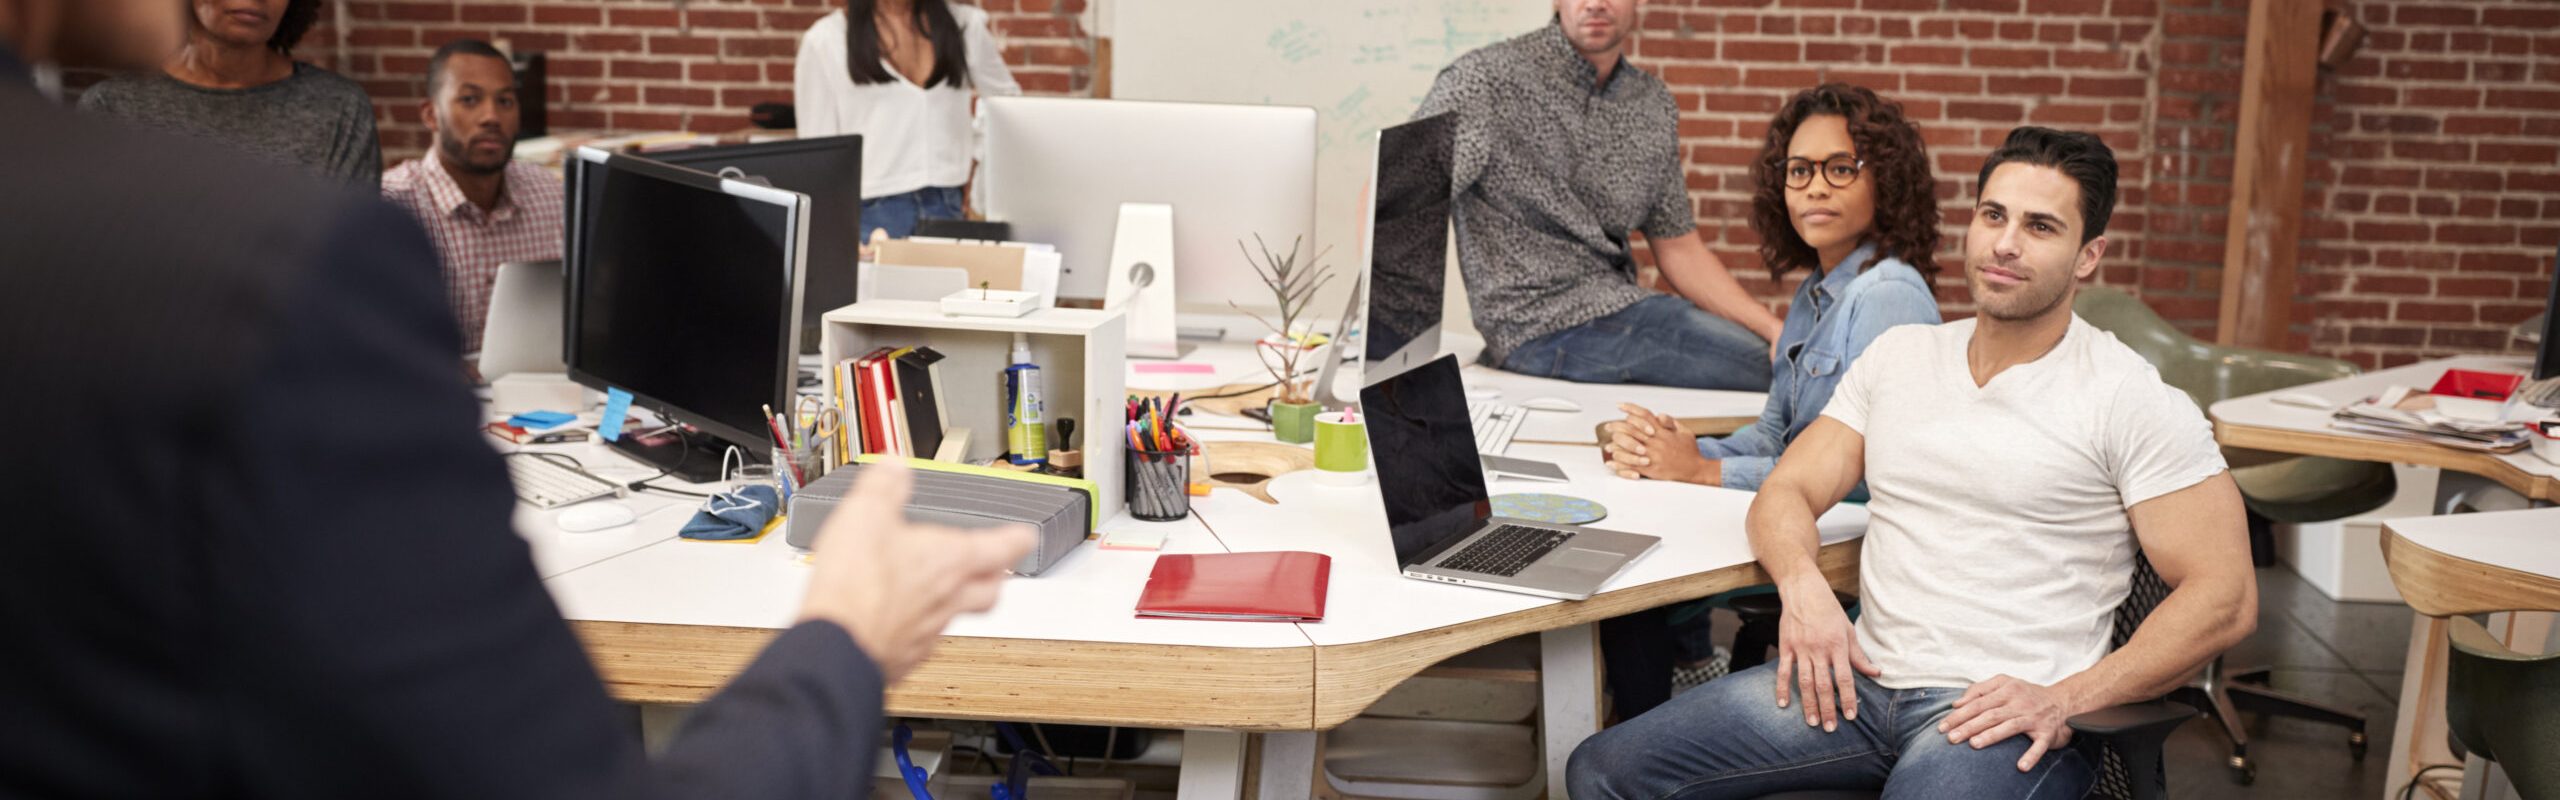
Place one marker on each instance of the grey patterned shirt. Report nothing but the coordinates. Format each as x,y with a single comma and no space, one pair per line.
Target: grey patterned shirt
1552,172
314,119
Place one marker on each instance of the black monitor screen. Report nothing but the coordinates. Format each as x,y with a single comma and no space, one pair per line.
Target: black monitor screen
1409,250
1425,446
682,294
829,171
2546,359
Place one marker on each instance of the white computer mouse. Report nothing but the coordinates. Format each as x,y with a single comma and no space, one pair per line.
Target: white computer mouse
1551,404
2304,400
593,515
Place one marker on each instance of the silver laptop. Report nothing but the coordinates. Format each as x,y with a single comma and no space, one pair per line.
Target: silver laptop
525,319
1440,515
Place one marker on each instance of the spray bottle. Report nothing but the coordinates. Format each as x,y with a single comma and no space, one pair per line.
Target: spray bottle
1026,437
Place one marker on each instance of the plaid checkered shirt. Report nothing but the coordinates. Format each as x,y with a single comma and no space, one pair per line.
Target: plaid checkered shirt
470,242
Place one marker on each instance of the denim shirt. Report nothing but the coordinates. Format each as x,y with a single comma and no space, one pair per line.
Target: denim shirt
1833,318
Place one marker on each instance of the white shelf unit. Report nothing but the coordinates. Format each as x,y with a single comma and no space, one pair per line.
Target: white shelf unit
1081,353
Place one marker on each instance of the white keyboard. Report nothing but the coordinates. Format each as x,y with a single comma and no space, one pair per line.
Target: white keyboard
1495,424
547,483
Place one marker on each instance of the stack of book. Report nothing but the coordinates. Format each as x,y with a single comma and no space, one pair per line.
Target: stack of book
890,402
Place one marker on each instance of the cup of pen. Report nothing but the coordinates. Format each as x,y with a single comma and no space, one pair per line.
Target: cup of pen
1159,482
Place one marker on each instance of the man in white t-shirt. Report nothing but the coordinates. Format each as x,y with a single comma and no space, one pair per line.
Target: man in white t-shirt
2016,461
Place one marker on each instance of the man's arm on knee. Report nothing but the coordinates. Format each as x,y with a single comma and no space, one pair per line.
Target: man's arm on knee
1696,273
2197,538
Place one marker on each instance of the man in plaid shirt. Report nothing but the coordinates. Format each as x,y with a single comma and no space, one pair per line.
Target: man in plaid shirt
479,205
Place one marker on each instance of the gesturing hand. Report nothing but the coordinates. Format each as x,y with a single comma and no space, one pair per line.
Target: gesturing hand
893,584
1992,711
1648,444
1817,648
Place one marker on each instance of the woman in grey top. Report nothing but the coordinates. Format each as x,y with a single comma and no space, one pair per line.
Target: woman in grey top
235,81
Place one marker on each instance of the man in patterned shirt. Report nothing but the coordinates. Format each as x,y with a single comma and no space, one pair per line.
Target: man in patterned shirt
1563,148
480,206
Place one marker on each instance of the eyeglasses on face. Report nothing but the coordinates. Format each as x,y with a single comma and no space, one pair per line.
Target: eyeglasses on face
1838,171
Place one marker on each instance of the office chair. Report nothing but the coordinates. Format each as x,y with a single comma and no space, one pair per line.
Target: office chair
2127,738
2504,706
2284,489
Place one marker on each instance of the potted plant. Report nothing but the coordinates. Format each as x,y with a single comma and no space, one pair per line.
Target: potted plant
1293,408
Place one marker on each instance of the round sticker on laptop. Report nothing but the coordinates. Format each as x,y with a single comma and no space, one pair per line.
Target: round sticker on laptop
1549,508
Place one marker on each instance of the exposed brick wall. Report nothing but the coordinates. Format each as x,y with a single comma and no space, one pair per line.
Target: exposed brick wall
633,65
2432,204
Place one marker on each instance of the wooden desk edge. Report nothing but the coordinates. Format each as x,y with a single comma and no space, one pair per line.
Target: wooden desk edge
1351,677
1032,680
2441,585
2538,487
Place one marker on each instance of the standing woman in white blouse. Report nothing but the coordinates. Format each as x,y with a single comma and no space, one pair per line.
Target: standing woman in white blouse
902,74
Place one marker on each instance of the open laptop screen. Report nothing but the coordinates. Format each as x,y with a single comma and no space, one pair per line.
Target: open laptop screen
1425,447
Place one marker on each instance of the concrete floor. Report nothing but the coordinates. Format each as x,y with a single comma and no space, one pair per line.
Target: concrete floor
2346,655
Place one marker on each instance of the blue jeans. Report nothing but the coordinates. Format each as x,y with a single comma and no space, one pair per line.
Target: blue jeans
899,213
1729,738
1663,341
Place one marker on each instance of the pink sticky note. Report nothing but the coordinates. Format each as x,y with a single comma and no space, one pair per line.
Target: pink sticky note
1173,368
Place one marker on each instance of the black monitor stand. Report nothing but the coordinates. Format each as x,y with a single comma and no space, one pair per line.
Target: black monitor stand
686,454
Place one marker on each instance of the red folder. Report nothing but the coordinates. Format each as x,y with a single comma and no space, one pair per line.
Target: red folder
872,384
1254,587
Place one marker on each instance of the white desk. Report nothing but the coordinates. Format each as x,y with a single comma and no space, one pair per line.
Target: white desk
2493,563
670,620
2258,422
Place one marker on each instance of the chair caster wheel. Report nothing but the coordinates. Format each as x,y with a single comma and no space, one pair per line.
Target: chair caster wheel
2243,772
2356,745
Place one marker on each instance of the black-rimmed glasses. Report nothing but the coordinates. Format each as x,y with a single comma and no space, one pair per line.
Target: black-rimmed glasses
1838,171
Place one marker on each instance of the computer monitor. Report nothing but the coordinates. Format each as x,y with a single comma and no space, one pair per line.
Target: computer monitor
2546,355
829,170
684,290
1408,246
1058,169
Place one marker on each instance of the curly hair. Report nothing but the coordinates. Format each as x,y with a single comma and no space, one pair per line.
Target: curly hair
1897,166
299,16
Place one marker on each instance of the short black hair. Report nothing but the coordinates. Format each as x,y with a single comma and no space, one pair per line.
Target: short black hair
298,18
2083,156
457,47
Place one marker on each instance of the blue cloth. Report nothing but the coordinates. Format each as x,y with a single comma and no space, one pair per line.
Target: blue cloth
1663,340
739,514
1833,318
899,213
1729,738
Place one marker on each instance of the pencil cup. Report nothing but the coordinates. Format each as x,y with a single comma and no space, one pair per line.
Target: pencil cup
1342,450
1159,484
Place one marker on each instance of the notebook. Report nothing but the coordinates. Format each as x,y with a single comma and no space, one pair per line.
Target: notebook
1252,587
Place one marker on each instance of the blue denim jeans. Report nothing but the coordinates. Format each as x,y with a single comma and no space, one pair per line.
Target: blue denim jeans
1729,738
899,213
1663,341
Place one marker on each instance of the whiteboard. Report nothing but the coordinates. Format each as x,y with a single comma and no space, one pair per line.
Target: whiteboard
1361,64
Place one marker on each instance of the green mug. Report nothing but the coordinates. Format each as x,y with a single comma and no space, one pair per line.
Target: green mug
1342,448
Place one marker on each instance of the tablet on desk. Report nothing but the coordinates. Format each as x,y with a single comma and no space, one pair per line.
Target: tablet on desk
1508,467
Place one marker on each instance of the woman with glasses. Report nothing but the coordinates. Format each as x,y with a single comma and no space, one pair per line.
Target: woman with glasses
1842,190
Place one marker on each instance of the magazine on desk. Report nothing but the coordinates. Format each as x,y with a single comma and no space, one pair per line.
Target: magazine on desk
2406,413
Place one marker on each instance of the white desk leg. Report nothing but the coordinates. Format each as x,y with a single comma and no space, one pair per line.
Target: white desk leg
1212,765
1569,701
1288,765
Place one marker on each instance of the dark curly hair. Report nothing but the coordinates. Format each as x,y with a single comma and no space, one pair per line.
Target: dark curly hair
299,16
1897,165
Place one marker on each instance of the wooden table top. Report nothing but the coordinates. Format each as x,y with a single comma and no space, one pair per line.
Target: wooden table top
2476,563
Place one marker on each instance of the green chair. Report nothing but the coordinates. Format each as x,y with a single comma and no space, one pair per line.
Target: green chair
2281,488
2504,706
2284,489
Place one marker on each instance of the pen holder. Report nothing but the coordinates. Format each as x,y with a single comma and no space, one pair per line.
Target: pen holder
1159,484
795,470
